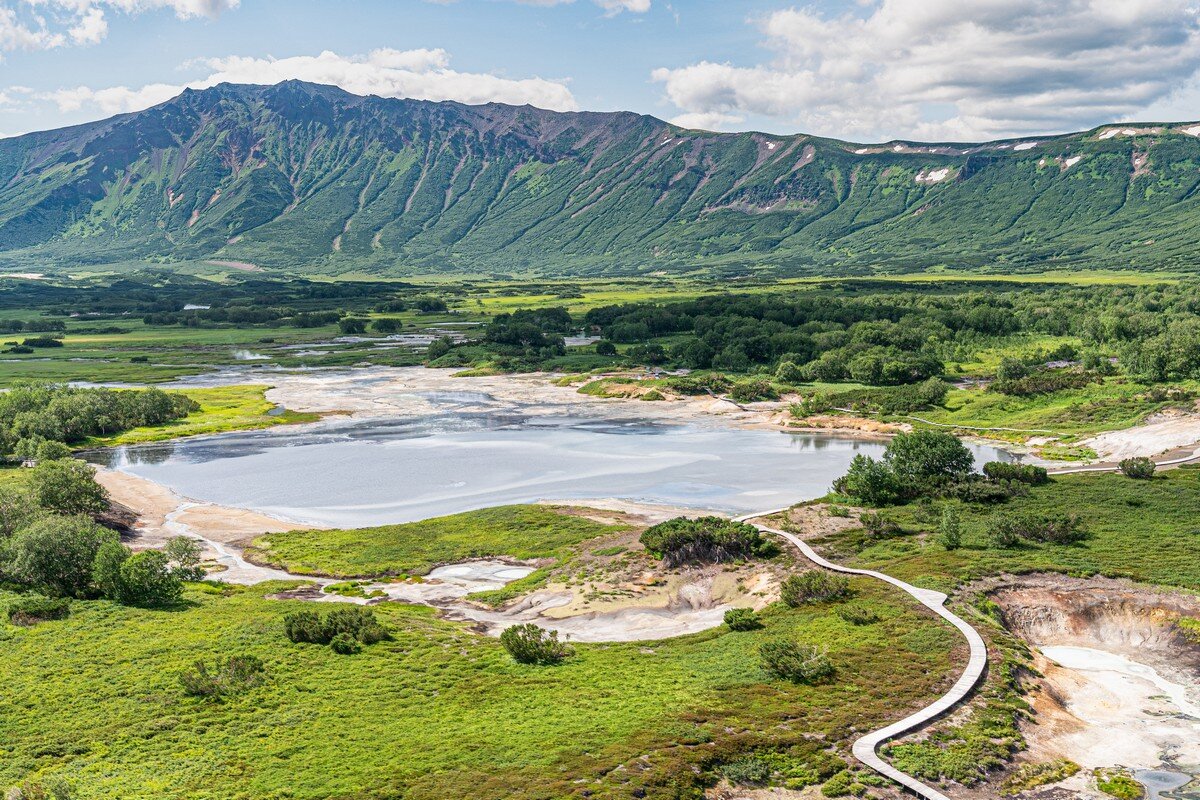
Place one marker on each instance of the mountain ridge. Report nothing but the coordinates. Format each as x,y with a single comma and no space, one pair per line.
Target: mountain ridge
311,178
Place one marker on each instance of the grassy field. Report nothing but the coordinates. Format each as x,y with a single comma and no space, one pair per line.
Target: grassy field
438,711
224,408
1074,413
1144,530
414,548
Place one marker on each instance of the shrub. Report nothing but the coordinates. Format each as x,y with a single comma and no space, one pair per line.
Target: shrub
706,539
529,644
1028,776
1008,529
357,622
751,391
234,676
879,526
605,348
345,644
1137,468
36,790
742,619
857,614
304,626
747,772
814,586
799,663
1022,473
351,622
950,530
32,610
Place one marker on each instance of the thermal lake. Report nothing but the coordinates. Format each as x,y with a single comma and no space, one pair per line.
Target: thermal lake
464,450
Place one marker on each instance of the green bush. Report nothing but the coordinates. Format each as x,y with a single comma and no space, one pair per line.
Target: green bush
857,614
747,772
706,539
147,580
814,586
752,391
950,529
1007,529
345,644
37,790
350,623
1137,468
305,626
792,661
742,619
32,610
234,676
1023,473
529,644
879,526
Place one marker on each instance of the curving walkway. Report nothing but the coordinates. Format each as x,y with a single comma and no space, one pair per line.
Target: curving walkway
864,748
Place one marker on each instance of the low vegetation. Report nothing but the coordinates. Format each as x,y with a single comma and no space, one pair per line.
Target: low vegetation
524,532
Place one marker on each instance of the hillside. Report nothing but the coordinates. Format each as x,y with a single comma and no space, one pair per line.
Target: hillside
310,178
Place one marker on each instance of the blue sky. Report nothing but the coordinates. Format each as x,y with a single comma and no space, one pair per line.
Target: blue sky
863,69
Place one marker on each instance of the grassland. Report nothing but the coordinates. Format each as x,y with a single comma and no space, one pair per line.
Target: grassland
1071,414
1144,530
438,711
414,548
222,409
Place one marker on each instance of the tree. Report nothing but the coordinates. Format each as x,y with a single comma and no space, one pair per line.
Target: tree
352,325
799,663
870,481
529,644
17,510
184,554
67,487
1011,369
813,586
1137,468
147,580
56,554
439,348
921,457
106,569
950,532
605,348
386,325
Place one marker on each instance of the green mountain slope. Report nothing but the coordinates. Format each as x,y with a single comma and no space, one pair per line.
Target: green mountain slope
304,177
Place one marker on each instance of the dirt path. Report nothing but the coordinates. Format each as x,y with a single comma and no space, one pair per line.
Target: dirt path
865,747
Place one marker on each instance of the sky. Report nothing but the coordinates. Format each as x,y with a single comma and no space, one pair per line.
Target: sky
863,70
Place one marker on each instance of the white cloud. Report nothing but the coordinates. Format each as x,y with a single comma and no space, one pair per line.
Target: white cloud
423,74
47,24
611,7
948,69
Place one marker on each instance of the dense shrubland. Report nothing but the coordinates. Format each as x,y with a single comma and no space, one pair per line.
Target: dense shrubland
705,540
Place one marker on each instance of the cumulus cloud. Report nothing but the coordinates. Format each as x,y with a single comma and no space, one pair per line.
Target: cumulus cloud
47,24
948,69
424,74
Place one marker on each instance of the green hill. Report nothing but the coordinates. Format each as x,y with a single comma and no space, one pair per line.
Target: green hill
310,178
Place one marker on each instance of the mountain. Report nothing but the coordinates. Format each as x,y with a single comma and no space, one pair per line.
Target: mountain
310,178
